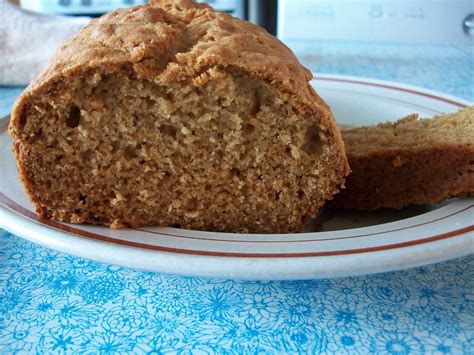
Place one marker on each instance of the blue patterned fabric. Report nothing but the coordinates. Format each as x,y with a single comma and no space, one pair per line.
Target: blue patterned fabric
54,303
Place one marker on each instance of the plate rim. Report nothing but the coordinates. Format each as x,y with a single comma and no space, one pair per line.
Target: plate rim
460,247
393,85
239,267
77,232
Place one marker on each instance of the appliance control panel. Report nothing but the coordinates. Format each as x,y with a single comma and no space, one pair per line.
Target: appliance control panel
406,21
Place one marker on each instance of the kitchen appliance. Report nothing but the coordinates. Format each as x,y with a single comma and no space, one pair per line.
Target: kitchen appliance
402,21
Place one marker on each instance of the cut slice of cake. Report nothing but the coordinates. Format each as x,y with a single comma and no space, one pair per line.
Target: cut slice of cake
411,161
172,114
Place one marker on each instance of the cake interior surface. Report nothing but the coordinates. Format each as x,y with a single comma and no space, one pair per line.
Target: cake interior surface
412,133
228,150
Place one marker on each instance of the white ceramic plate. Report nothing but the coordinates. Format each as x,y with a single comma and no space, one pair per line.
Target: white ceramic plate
346,243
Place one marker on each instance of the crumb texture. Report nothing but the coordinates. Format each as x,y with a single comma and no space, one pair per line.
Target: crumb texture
411,161
172,114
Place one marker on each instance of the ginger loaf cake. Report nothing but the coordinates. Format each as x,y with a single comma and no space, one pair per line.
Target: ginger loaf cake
411,161
172,114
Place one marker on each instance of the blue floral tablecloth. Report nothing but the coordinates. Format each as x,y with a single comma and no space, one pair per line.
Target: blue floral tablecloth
54,303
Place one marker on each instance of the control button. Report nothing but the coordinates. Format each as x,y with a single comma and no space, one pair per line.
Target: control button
320,11
86,2
375,12
65,2
415,13
128,2
468,25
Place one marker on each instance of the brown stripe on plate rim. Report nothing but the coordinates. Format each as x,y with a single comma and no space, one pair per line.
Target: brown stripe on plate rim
386,86
415,106
78,232
304,240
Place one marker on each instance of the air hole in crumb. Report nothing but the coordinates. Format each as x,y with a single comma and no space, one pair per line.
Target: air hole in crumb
86,155
312,142
129,153
219,155
39,133
149,103
208,187
300,193
288,150
23,118
168,130
277,195
248,129
135,120
192,204
260,177
82,198
115,147
176,225
254,106
234,172
74,117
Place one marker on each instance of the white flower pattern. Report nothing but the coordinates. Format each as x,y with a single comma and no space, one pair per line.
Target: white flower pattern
71,305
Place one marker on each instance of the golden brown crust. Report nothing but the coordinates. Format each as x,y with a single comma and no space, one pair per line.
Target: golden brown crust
424,161
168,42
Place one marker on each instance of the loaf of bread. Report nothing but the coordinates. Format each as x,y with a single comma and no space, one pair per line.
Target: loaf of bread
172,114
411,161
